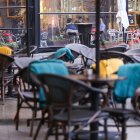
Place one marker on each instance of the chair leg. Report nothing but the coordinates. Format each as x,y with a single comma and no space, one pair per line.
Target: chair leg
48,133
56,135
17,115
105,129
32,123
123,134
39,127
2,94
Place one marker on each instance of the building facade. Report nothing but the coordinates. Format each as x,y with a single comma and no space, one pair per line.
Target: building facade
43,22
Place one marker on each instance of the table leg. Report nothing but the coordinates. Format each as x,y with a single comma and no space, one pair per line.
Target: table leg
94,106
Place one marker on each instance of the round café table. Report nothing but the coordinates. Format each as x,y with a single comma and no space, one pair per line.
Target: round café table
96,81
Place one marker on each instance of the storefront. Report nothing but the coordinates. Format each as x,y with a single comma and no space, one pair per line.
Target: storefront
43,22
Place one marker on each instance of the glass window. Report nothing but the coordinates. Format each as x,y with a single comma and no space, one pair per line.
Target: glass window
54,15
13,22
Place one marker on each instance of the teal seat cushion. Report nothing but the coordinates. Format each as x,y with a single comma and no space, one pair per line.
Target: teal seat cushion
47,66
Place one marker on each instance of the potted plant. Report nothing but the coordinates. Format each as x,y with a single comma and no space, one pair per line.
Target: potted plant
12,45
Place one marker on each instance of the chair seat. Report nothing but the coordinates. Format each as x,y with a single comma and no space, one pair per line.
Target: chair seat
30,95
125,113
77,116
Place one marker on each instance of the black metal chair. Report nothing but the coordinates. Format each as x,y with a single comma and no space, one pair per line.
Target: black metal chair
27,96
134,53
119,48
114,54
60,96
122,91
6,74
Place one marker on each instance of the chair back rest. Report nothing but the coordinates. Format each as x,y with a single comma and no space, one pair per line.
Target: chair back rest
117,48
114,54
23,78
24,51
64,91
135,51
5,61
59,91
48,66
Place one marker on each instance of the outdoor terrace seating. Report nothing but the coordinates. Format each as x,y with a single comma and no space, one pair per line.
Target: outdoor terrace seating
60,99
6,75
27,97
123,90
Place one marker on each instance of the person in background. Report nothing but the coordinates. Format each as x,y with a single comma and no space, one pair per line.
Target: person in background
102,29
102,26
71,30
79,20
102,32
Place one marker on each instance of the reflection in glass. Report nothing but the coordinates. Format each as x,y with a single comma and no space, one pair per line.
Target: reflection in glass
16,11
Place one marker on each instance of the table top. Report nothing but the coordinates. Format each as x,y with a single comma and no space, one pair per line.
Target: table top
95,79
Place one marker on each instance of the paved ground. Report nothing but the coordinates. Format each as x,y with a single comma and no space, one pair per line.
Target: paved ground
7,126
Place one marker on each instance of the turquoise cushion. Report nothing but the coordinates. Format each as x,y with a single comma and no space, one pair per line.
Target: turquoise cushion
126,88
66,51
48,66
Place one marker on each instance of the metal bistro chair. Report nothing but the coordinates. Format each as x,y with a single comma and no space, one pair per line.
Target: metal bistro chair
6,75
122,91
134,53
114,54
60,96
118,48
27,96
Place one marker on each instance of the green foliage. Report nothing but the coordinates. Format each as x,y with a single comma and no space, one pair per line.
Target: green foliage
12,45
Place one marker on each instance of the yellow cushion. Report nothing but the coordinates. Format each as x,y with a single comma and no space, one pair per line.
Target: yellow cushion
109,66
5,50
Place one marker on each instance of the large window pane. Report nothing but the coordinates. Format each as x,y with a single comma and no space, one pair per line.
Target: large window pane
67,5
13,21
54,15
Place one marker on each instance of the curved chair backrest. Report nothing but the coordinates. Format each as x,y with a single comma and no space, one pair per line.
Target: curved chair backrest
64,90
117,48
32,49
24,51
132,52
5,61
114,54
